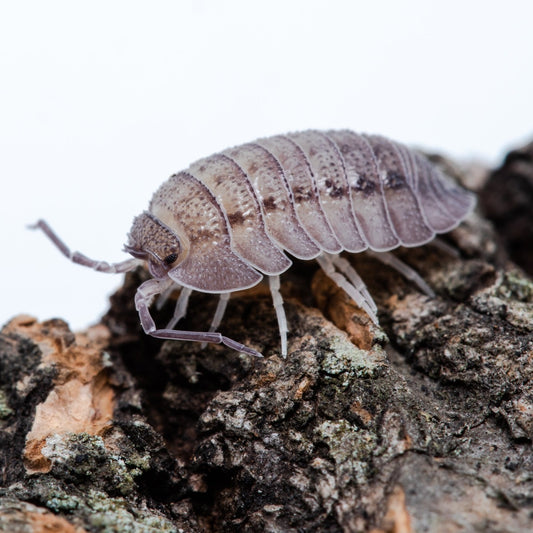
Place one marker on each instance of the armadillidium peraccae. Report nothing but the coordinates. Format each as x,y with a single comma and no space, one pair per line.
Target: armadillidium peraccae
229,219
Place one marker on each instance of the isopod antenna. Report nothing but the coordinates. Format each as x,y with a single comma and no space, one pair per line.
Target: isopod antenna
81,259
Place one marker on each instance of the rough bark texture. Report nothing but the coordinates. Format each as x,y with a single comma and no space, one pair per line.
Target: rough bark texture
424,424
507,199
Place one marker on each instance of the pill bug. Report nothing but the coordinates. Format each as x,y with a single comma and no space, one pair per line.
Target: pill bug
231,218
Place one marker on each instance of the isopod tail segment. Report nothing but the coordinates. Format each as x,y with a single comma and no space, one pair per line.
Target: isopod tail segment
146,293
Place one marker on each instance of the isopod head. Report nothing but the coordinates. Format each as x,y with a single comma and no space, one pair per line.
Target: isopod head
153,241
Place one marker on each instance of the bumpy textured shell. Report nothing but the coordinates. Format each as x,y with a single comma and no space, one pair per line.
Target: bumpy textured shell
303,193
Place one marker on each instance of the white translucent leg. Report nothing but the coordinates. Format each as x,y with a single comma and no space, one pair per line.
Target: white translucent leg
444,247
405,270
277,300
162,300
181,307
349,271
219,313
154,287
328,267
220,310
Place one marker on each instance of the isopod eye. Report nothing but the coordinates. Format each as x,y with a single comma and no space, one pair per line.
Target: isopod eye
169,259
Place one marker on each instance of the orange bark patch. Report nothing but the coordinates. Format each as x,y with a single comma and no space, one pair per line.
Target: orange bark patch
48,523
23,516
358,409
82,399
343,311
397,518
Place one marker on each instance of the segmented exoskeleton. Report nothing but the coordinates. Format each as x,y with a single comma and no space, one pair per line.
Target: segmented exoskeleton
231,218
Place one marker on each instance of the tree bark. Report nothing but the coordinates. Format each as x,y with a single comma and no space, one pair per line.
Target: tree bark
422,424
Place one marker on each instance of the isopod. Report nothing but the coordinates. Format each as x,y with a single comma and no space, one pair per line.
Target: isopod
232,218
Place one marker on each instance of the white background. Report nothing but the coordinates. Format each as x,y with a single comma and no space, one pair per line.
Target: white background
102,101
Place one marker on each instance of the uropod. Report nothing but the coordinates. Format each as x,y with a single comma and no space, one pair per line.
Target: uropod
231,218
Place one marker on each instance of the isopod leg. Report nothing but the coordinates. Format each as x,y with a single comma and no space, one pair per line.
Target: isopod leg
277,300
181,307
79,258
405,270
219,312
164,296
344,266
153,287
444,247
328,267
